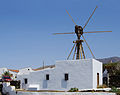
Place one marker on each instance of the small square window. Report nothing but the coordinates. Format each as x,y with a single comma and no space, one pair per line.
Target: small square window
66,76
47,76
25,80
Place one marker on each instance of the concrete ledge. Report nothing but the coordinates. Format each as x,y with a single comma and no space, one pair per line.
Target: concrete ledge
65,93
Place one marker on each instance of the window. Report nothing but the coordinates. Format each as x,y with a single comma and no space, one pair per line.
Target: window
25,80
66,77
47,76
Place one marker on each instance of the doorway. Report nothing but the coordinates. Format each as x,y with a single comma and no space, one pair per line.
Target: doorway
97,79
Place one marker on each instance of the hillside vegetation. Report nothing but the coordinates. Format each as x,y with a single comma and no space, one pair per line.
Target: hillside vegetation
114,73
113,68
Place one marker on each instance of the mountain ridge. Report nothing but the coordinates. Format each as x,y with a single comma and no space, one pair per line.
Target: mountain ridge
109,60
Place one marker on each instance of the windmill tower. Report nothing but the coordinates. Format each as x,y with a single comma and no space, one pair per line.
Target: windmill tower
79,31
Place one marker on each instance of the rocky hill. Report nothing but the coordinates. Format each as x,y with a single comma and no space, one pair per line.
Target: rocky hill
109,60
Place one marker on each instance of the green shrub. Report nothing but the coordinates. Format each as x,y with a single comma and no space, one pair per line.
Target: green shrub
6,73
74,90
115,90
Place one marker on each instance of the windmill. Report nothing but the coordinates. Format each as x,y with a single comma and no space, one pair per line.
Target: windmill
78,47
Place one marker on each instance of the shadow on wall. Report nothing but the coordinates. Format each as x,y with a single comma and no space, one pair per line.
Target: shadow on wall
63,83
45,83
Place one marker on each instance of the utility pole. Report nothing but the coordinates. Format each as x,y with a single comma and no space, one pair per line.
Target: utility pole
43,64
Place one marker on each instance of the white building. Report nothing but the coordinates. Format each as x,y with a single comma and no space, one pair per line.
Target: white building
25,71
84,74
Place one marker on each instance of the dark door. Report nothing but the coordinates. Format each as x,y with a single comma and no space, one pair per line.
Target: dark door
97,79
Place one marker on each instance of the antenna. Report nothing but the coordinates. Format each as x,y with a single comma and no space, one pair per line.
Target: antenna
43,64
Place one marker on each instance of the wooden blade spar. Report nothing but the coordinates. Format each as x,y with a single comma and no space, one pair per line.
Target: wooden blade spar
74,52
83,32
71,51
90,17
97,31
70,17
88,47
64,33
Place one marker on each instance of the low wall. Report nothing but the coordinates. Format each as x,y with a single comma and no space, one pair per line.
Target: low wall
65,93
10,90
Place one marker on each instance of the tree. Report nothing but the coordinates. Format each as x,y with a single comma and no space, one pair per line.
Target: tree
112,68
6,73
114,73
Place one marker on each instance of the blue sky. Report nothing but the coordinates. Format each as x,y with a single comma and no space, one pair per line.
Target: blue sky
26,28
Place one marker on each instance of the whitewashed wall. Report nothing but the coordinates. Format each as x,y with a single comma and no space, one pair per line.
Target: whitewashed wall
22,74
82,75
25,71
97,68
